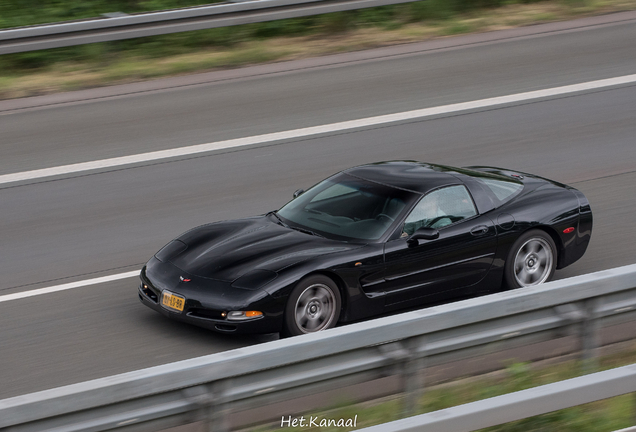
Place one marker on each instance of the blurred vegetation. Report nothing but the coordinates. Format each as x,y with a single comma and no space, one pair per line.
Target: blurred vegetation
93,65
601,416
14,13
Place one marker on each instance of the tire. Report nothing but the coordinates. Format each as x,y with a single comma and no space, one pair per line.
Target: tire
313,305
531,260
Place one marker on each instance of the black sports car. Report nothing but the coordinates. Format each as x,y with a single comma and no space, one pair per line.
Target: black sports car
369,240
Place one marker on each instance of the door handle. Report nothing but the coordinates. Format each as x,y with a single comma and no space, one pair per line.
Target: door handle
479,230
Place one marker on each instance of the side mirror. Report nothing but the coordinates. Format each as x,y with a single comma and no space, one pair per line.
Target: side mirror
298,193
423,234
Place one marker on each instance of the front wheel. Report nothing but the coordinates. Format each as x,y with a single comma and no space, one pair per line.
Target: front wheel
531,260
313,305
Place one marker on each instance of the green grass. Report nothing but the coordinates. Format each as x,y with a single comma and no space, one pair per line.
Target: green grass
544,17
453,28
47,71
389,17
605,415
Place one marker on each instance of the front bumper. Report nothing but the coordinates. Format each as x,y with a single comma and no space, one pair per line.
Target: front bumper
194,313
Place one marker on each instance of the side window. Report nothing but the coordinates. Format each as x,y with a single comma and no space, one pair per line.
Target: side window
440,208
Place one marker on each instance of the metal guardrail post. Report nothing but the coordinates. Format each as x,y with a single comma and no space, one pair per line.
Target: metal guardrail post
218,411
412,370
571,316
584,316
590,334
404,361
201,398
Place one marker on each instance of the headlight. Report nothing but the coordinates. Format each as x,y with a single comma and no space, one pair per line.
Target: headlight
243,315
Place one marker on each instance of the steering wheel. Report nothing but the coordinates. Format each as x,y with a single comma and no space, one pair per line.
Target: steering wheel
433,221
384,215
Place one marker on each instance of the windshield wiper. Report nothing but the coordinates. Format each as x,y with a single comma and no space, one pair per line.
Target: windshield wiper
302,230
280,221
306,231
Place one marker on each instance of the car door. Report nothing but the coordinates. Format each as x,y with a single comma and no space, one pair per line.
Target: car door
435,270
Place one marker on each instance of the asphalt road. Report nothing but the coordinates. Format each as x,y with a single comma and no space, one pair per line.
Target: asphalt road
85,225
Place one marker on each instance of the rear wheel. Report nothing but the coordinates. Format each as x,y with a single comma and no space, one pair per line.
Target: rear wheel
531,260
313,305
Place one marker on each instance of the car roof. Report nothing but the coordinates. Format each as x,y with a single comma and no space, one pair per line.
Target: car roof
415,176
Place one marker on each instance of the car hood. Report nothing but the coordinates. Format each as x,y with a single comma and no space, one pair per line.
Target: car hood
227,250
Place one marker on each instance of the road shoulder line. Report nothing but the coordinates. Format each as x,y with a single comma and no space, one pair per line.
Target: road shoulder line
68,286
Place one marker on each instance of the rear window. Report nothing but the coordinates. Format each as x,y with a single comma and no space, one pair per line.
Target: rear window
503,190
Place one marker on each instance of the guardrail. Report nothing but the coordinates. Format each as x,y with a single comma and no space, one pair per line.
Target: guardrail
208,388
122,26
519,405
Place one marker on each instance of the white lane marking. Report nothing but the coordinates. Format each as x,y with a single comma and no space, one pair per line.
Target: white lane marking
314,130
68,286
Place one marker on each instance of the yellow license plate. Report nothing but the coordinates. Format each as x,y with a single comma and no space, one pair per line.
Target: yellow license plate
172,301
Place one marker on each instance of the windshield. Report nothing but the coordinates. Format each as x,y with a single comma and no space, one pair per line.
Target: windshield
348,207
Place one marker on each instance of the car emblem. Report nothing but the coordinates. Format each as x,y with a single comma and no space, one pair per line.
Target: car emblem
184,279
